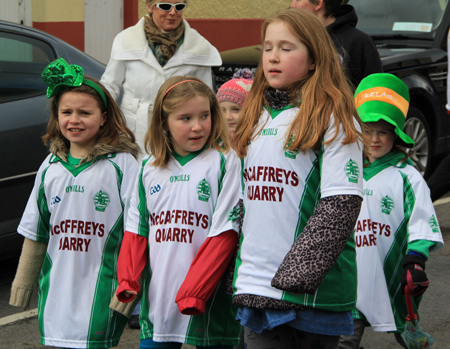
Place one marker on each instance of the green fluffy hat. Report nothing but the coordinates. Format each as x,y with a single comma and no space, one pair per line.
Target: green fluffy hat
384,97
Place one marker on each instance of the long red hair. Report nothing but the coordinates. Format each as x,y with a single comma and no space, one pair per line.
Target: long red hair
325,91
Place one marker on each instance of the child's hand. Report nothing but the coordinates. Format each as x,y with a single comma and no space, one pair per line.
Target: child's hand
414,275
129,293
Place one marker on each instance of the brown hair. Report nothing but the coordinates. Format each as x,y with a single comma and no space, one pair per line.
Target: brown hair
323,92
109,133
171,95
331,6
396,147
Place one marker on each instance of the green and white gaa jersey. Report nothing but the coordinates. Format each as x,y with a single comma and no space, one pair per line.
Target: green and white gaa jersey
79,212
396,212
176,208
282,189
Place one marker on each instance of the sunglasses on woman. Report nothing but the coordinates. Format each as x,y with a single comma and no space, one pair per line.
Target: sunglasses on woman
167,7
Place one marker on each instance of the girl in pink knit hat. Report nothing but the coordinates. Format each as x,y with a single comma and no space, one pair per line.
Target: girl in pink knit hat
232,95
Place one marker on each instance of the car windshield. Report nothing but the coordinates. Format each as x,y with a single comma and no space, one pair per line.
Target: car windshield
399,17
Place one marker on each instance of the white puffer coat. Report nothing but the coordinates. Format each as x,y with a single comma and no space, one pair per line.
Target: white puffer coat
134,69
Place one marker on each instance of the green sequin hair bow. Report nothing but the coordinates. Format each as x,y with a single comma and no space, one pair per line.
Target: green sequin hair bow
59,75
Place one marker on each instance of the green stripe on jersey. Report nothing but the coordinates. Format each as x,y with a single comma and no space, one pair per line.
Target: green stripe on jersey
108,320
394,258
43,228
308,202
104,290
44,286
238,257
144,214
119,182
310,197
218,318
223,163
145,324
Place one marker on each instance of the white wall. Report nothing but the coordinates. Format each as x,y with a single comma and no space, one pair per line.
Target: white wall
17,11
103,21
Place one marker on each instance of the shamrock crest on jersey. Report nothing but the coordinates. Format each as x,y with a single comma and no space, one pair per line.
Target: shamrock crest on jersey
234,213
387,204
434,224
291,154
101,201
203,190
352,171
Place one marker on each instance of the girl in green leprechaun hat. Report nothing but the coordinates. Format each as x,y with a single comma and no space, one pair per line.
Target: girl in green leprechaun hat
393,235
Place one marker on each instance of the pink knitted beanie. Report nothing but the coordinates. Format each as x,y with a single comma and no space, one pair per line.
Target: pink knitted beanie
236,89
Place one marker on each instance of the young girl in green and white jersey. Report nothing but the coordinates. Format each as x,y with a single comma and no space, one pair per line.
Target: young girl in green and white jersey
74,221
299,139
397,226
186,195
301,144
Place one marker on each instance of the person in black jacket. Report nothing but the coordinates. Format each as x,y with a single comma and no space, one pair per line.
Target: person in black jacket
356,48
439,181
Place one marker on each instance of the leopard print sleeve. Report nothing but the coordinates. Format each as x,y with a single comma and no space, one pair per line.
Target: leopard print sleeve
317,248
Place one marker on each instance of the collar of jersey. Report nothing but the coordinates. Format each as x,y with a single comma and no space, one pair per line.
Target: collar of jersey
77,169
275,112
183,160
390,159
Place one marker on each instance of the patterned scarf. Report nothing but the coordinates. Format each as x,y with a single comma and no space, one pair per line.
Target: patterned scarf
277,99
163,45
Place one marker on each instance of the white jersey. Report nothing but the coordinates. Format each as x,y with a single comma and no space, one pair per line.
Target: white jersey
282,189
396,211
79,212
177,208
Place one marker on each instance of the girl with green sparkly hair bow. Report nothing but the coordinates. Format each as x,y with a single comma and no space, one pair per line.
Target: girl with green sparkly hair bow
60,75
61,78
74,220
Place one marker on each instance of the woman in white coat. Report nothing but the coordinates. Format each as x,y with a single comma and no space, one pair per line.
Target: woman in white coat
160,45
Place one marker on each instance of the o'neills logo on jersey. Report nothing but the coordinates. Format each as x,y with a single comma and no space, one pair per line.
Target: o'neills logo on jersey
268,132
366,232
76,227
180,178
75,189
178,217
368,192
268,174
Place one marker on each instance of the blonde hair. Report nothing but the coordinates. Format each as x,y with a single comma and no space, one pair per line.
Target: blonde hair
109,133
324,91
171,95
